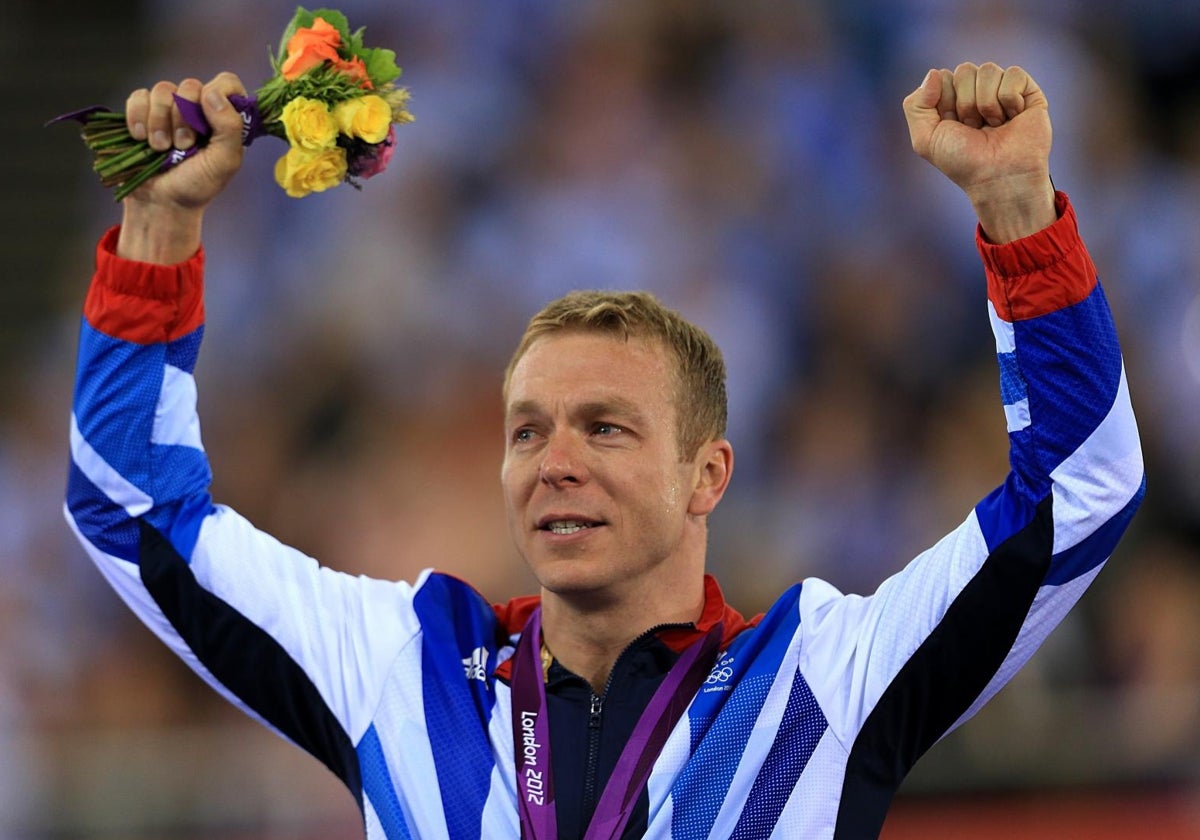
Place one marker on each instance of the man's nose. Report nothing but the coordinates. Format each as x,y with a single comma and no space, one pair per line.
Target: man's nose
562,460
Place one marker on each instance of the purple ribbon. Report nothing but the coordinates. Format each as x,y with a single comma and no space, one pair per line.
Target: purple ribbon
247,106
80,115
193,115
531,736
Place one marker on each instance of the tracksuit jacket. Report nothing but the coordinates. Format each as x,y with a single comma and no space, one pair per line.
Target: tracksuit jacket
812,713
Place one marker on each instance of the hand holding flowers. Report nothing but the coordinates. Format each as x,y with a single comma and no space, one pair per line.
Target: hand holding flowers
331,98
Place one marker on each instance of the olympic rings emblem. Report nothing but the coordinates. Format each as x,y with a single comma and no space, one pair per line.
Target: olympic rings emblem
718,675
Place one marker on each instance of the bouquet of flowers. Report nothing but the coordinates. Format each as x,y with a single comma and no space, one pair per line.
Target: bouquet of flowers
331,98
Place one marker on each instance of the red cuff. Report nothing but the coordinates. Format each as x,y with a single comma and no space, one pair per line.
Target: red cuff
1040,273
142,302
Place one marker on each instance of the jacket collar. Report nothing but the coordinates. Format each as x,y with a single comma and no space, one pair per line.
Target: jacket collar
514,614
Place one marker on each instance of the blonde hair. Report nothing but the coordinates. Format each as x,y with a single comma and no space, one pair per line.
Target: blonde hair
700,399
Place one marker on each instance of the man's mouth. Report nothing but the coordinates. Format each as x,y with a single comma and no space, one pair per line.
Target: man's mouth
563,527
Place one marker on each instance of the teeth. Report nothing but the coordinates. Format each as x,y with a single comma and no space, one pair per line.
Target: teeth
568,527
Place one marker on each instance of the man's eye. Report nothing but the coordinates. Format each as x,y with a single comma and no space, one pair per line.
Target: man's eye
607,429
522,435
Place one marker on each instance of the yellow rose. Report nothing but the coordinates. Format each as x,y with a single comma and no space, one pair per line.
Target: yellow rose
364,117
308,124
301,172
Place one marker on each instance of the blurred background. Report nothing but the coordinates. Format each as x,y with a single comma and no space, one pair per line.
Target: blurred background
749,163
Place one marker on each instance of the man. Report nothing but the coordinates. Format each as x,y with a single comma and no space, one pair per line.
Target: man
628,699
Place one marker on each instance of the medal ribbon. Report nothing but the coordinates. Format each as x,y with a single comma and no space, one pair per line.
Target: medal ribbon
531,736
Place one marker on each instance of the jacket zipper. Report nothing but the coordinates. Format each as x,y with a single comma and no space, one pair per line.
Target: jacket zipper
595,719
593,753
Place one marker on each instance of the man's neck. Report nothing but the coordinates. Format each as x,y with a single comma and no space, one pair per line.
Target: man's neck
587,640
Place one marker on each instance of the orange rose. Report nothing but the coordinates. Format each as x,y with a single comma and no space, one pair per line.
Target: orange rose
356,70
310,47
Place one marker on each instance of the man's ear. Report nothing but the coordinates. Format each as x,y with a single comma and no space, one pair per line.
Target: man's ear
714,467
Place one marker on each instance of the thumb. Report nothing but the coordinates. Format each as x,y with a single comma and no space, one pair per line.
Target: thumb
224,120
921,109
223,154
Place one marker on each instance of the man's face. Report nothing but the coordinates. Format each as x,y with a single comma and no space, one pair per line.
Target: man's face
596,494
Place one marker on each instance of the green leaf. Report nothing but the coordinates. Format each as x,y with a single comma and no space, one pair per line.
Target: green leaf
381,65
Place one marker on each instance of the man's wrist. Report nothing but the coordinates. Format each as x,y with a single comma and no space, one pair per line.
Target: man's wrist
160,235
1016,211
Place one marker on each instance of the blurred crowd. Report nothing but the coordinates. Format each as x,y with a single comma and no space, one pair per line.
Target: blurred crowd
749,163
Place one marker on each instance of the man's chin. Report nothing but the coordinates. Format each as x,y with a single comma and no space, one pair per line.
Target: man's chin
574,579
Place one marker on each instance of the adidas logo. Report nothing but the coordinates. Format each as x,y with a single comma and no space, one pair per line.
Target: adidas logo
475,665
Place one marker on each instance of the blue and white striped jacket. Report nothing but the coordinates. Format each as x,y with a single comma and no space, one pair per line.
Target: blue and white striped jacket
813,713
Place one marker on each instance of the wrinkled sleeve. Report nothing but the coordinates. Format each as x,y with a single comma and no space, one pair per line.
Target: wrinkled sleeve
302,648
897,670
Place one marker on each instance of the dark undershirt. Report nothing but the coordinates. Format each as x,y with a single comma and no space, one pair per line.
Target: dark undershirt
584,756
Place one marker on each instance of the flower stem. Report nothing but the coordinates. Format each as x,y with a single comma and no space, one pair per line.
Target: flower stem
108,140
152,168
123,160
